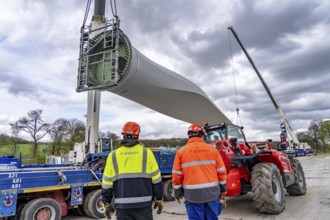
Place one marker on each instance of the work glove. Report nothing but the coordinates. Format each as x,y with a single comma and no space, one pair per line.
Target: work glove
108,209
160,205
178,194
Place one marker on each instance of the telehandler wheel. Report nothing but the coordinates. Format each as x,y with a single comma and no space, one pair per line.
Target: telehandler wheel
268,188
168,191
299,187
93,205
42,208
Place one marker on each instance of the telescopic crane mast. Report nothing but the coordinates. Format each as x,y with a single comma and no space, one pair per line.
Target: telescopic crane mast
293,138
94,96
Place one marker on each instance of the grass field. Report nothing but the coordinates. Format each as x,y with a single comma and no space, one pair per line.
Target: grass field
27,152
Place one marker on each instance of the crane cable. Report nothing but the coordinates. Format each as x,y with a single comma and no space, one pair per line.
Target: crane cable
88,6
234,80
114,8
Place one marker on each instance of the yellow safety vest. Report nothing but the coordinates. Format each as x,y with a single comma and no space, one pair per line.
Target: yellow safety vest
131,173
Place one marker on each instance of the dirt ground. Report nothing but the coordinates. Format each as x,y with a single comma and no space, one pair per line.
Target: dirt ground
315,205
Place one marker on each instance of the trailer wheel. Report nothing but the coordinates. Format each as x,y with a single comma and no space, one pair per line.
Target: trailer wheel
93,205
268,188
299,187
168,191
85,203
42,208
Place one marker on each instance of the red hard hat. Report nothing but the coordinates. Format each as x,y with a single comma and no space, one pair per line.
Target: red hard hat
195,128
131,128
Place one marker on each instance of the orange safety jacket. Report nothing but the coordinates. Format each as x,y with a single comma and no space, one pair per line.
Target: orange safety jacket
198,169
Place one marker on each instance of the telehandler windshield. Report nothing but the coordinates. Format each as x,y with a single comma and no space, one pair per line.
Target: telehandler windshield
224,131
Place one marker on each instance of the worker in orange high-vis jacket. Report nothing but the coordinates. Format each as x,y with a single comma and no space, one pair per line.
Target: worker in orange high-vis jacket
132,179
199,175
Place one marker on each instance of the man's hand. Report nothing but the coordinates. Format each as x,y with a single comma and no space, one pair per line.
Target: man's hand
223,203
223,195
160,205
107,210
178,195
223,200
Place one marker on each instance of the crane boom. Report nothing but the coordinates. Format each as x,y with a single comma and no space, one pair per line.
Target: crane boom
279,110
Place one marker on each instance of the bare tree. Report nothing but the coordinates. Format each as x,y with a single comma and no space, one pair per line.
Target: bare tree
33,125
14,131
58,132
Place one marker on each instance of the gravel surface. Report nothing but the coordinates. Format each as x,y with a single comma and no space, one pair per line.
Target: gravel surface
312,206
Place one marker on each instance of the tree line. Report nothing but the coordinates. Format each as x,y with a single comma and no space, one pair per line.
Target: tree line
64,133
317,135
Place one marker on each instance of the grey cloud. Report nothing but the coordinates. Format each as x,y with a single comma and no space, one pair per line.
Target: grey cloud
212,54
17,85
308,64
265,28
156,17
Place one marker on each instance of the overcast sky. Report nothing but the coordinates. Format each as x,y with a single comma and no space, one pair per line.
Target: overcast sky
288,41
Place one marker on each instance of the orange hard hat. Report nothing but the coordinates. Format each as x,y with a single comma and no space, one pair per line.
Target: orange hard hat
131,129
195,130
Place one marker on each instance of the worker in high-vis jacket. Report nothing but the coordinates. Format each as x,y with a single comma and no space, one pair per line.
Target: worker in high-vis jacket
132,179
199,175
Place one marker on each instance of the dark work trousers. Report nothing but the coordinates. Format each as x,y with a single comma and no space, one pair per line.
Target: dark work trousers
134,214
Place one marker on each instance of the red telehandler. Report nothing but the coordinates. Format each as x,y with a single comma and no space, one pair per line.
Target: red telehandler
256,168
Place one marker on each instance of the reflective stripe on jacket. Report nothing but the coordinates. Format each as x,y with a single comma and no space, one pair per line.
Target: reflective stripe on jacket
198,169
132,173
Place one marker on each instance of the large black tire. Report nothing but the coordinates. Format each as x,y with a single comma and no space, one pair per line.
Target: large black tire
268,188
42,208
93,205
168,191
85,204
299,187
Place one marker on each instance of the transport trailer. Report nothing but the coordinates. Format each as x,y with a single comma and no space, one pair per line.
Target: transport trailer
49,191
165,159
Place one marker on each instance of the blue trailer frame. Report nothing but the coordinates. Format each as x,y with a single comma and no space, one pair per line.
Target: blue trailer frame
20,183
